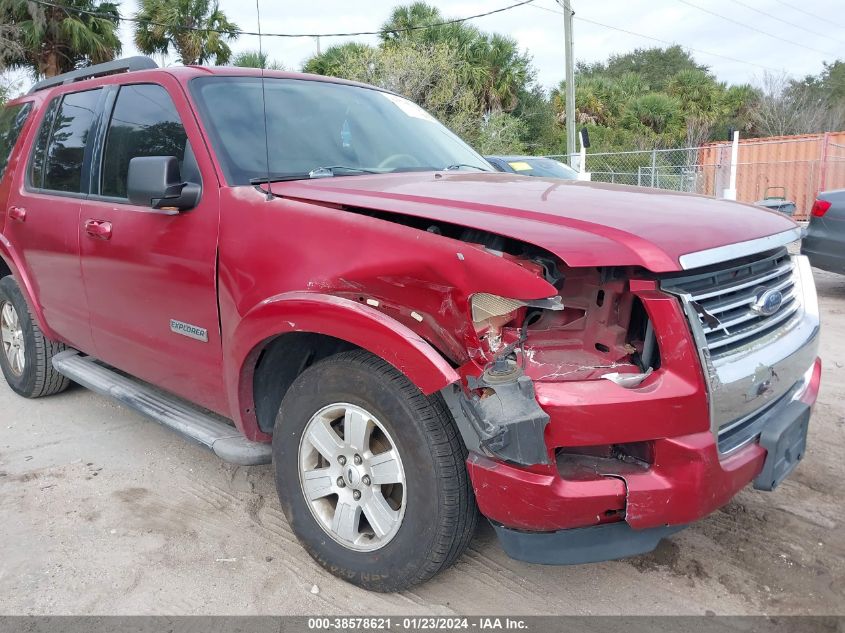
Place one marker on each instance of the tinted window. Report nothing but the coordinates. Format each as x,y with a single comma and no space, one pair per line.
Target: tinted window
36,165
144,122
545,167
71,129
313,124
11,123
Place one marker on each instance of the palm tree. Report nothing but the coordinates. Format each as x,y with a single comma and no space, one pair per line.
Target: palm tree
51,40
196,29
490,64
655,111
411,16
503,71
341,60
256,59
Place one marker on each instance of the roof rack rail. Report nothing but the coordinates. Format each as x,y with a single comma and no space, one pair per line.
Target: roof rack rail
127,64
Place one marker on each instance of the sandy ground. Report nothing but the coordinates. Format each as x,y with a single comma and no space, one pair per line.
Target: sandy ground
105,512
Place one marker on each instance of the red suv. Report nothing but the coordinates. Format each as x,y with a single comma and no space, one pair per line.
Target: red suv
315,273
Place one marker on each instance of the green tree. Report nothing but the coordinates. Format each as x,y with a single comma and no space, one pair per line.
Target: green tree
424,73
50,40
256,59
197,30
828,85
656,66
342,60
490,64
739,105
4,92
10,43
540,132
655,112
501,134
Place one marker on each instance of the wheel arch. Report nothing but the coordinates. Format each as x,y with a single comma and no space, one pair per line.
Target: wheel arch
9,267
293,330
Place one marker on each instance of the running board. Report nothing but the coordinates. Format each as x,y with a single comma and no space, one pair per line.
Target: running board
206,429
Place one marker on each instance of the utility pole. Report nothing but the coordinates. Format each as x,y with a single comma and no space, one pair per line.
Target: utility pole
570,78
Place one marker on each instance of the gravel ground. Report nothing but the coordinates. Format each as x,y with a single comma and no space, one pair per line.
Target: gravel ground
104,512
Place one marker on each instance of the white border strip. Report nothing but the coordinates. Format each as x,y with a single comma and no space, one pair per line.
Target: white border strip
740,249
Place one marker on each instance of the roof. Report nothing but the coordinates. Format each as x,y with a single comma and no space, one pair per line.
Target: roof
130,65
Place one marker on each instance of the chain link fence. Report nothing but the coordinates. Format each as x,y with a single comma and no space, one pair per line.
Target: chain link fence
794,168
675,169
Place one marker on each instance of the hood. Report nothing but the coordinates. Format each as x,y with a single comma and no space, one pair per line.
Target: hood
583,223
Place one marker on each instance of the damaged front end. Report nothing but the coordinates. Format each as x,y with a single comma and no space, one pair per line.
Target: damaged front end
595,329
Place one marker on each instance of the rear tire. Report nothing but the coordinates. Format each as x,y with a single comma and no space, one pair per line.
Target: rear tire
26,355
397,534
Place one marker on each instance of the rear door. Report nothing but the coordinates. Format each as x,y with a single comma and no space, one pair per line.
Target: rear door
150,275
12,121
43,211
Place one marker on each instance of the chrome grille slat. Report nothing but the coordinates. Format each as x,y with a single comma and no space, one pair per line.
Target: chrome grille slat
756,331
718,308
752,361
747,284
728,294
748,315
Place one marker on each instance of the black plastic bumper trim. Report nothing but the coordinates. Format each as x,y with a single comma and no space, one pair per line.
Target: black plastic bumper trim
581,545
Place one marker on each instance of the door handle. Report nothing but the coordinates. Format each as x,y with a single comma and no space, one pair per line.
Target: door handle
17,213
98,229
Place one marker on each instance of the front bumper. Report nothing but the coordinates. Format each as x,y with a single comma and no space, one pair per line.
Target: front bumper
689,484
686,477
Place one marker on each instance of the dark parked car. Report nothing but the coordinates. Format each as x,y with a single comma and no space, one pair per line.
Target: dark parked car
533,166
825,241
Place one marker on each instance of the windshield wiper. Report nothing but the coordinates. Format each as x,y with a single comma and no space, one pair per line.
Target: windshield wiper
317,172
459,165
260,180
328,172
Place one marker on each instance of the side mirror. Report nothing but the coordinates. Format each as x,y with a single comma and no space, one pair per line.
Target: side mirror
155,181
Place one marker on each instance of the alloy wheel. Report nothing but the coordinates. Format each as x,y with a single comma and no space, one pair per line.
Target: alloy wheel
352,477
11,333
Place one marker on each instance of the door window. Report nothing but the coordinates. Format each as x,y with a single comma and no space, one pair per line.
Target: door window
144,122
12,119
36,164
60,167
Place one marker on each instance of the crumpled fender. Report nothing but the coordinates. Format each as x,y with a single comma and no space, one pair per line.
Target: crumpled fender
8,255
341,318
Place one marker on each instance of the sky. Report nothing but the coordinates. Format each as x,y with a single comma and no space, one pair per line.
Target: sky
791,36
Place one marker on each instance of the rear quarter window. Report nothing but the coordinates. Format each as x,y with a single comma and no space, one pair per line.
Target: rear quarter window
12,119
60,148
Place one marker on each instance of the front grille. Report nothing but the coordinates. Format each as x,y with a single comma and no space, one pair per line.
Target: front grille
724,298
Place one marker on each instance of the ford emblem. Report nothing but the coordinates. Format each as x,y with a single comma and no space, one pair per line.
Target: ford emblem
768,302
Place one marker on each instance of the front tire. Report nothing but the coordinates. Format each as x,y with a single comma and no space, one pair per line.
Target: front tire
371,474
26,355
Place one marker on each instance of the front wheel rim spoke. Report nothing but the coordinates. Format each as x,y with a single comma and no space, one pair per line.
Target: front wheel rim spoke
323,438
345,522
386,469
318,483
6,314
356,429
381,516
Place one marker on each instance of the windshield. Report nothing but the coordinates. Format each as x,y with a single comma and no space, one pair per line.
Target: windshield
319,129
545,167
